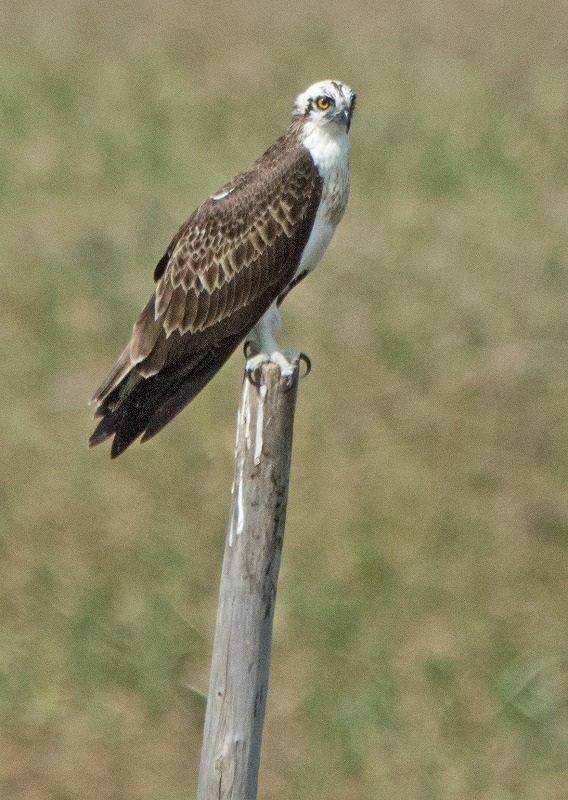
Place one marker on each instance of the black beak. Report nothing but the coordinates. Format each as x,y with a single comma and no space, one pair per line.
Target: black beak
345,117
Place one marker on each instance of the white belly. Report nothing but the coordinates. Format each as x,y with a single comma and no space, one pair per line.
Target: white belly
317,244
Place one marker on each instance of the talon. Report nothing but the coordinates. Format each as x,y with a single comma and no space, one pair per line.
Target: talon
248,350
306,359
250,373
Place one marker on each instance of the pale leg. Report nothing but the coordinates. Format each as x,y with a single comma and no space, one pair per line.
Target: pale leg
264,345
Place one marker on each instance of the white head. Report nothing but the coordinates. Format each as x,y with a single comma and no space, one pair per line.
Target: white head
326,103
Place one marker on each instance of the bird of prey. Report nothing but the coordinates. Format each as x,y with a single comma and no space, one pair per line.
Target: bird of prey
228,268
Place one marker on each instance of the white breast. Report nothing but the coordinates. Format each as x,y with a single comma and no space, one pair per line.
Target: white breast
328,146
317,244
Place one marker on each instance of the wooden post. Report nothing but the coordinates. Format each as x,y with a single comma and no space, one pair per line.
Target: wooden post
230,755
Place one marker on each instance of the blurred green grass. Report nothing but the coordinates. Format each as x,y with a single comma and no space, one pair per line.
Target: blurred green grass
420,639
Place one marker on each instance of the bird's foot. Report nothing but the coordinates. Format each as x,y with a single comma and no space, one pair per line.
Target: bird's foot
287,360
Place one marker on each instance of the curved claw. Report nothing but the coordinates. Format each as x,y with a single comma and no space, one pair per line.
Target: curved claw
250,373
248,350
306,359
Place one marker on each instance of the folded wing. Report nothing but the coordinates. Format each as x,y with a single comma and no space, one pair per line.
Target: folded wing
228,262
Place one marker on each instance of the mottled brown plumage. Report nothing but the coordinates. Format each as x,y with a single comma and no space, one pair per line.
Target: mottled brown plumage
222,270
228,268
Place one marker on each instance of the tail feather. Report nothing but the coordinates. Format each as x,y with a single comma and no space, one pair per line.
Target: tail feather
148,345
120,371
134,405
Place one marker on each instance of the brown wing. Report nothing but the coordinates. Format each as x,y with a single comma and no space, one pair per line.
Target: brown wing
231,259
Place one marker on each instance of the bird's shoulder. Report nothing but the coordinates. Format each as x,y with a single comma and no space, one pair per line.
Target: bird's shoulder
283,182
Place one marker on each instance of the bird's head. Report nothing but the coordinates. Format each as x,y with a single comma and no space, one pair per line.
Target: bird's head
326,103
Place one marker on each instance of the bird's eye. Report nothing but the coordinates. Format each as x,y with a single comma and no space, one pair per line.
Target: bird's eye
323,102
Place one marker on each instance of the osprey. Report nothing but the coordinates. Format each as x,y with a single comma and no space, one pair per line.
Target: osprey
229,267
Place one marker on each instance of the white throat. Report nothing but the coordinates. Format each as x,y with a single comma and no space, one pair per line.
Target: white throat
328,145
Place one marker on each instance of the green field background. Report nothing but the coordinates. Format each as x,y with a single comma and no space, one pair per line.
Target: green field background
420,644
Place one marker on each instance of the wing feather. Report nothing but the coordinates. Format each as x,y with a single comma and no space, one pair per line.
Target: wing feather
203,303
145,334
213,309
226,264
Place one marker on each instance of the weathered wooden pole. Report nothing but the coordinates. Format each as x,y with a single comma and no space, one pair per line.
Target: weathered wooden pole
238,683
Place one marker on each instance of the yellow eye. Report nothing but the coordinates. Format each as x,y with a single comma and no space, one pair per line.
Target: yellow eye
323,102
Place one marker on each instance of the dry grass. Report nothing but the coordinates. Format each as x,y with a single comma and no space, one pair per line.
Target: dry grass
420,640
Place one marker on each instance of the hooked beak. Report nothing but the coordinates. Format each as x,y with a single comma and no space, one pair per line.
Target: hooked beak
344,118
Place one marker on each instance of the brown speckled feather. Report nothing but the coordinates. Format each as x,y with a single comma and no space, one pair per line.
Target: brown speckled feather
224,267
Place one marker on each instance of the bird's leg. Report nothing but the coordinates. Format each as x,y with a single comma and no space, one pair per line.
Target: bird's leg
261,347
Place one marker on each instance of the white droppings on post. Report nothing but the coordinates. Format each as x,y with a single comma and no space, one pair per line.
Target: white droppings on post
242,445
237,433
238,518
246,411
259,425
241,508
